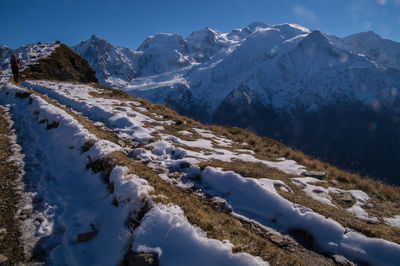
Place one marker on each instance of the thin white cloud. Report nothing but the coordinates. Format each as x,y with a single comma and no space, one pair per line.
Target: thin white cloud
305,14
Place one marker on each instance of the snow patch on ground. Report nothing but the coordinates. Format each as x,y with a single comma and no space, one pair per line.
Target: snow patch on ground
101,149
186,133
164,225
393,221
321,194
209,152
361,199
223,142
112,112
318,193
129,188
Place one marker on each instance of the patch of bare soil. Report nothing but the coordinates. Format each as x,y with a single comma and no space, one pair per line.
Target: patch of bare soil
11,251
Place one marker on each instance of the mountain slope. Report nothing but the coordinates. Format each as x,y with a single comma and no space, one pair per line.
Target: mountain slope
298,76
109,177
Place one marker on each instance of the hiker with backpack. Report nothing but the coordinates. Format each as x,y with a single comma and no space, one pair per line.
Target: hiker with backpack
15,64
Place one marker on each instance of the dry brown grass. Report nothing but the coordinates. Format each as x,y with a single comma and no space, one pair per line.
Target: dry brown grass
63,64
108,92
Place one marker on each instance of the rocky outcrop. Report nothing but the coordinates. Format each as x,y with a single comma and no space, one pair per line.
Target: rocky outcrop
63,65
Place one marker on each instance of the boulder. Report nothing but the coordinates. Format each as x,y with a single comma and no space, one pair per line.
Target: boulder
3,259
141,259
314,174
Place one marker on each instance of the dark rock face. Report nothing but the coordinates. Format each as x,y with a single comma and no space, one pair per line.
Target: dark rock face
242,108
5,51
63,65
106,59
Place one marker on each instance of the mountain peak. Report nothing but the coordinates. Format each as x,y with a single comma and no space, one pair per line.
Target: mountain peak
254,25
94,38
364,36
206,32
163,42
317,36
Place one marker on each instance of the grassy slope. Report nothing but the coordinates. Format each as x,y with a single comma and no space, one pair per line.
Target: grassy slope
63,64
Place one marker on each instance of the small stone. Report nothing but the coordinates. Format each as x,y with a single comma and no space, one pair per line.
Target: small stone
85,237
25,211
184,165
277,239
141,259
342,260
3,258
346,197
3,233
121,143
314,174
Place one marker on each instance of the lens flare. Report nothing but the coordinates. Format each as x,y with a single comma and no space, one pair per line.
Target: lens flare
393,91
375,105
274,49
372,126
367,25
343,58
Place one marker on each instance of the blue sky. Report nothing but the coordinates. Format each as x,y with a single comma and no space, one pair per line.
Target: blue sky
128,23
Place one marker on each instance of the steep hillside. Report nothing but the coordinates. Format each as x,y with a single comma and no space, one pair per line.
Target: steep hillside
113,180
166,174
333,98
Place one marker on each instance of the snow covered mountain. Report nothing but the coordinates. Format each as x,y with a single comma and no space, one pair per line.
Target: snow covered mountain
384,52
285,76
91,176
112,64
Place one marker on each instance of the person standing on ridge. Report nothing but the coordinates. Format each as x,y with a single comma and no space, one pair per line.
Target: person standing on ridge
14,67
